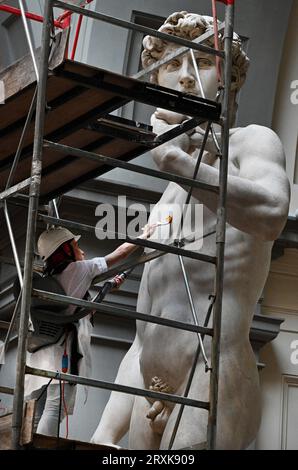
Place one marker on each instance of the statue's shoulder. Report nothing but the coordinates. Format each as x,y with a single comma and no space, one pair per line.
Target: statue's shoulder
260,141
254,132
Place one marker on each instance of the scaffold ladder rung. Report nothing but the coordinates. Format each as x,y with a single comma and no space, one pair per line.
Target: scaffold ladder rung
172,248
113,162
25,184
120,312
118,387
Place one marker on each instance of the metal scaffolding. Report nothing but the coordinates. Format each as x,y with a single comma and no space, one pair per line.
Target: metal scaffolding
200,110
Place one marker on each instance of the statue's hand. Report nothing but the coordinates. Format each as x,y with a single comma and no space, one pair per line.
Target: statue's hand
196,137
160,126
170,117
172,151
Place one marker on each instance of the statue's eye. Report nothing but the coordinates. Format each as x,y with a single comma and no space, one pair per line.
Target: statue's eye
204,62
173,65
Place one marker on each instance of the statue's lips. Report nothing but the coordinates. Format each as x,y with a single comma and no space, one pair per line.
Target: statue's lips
190,91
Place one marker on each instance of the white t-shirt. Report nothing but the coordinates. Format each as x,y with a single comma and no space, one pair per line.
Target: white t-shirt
76,279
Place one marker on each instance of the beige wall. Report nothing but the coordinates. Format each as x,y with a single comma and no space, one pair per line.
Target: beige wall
285,120
279,379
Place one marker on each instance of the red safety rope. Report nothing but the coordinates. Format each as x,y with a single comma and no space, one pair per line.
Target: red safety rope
227,2
64,369
75,42
68,13
64,20
30,16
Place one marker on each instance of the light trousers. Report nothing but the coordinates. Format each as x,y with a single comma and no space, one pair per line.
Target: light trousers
47,409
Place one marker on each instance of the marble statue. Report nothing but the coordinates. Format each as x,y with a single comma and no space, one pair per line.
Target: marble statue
257,207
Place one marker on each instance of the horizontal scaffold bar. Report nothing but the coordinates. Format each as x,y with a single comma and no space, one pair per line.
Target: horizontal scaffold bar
146,93
113,162
15,189
136,27
175,54
120,312
138,261
119,388
6,390
175,250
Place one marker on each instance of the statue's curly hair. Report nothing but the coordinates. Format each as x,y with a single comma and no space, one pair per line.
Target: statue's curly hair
190,26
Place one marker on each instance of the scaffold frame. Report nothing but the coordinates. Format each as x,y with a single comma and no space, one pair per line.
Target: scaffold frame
34,183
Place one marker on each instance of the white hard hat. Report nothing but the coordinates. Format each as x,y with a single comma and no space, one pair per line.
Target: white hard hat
51,239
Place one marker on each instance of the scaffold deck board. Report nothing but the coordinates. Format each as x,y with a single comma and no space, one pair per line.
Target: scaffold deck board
27,427
79,97
40,441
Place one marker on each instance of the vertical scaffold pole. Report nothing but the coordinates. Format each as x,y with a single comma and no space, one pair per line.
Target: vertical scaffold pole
221,228
31,227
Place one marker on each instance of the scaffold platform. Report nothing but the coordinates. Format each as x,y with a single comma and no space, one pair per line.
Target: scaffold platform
79,99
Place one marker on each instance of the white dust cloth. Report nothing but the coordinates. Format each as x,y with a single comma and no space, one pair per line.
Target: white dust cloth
76,279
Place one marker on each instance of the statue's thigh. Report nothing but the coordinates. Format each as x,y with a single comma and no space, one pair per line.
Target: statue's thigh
192,429
141,435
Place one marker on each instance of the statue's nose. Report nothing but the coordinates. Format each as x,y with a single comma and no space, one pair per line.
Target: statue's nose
187,81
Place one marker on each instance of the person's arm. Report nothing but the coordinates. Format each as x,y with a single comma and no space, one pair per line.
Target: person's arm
257,195
124,250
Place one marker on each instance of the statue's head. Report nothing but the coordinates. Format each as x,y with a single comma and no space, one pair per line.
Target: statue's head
190,26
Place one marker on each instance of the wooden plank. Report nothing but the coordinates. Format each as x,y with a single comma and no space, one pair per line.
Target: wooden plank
48,442
27,428
79,167
6,390
73,167
28,422
21,74
70,111
58,117
5,432
16,108
4,325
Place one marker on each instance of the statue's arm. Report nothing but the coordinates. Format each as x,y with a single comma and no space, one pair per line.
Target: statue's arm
258,197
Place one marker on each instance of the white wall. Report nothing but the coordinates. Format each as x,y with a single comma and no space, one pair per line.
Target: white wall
279,379
285,121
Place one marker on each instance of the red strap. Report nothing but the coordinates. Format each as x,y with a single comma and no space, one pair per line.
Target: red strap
227,2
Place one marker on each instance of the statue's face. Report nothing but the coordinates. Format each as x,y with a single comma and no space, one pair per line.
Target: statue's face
180,74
